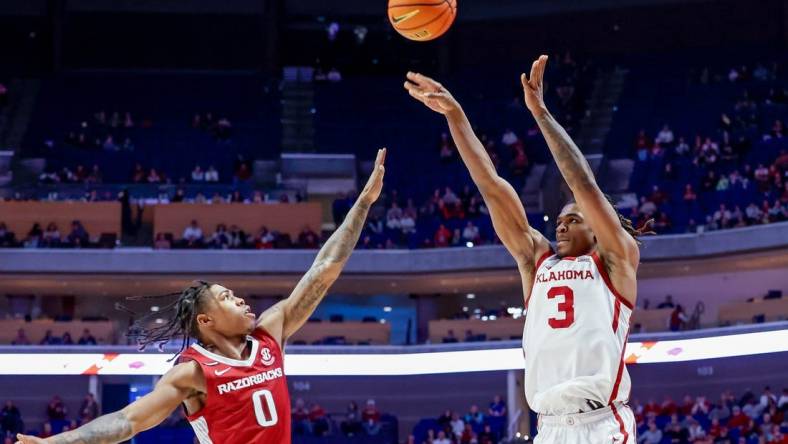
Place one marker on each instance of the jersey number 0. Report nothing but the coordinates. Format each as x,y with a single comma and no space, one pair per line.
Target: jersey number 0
265,419
567,306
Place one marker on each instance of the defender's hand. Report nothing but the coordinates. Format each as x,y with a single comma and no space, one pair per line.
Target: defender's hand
374,185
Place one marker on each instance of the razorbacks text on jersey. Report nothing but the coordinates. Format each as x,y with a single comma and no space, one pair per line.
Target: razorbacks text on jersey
246,401
576,329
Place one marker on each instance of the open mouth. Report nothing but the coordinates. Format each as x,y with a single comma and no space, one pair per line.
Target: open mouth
248,313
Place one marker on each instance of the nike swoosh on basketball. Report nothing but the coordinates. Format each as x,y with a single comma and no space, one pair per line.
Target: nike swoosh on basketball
221,372
402,18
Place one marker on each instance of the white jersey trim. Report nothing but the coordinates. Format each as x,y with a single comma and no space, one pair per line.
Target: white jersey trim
233,362
200,426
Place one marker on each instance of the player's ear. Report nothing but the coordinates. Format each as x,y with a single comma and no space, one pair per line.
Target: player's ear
204,319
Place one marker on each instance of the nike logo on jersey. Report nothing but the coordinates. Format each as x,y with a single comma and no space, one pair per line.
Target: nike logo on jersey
221,372
401,18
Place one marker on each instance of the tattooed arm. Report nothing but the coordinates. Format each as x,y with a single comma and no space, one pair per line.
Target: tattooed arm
617,247
181,382
287,316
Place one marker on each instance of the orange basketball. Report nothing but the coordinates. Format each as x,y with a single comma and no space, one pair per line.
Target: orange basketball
422,20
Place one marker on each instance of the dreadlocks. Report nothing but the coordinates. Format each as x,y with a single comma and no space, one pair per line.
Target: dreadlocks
626,224
180,318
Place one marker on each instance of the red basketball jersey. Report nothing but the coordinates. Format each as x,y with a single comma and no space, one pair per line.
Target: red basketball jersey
247,401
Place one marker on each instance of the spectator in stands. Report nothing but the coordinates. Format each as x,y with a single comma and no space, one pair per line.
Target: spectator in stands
138,174
308,238
450,338
651,436
264,239
243,174
161,242
211,175
667,303
220,238
34,236
128,122
192,235
153,176
109,144
317,416
198,175
128,145
351,426
678,319
497,407
407,223
89,410
470,233
86,338
66,339
474,415
446,148
300,418
238,238
371,418
49,339
78,237
7,238
509,138
10,419
21,338
442,236
487,436
51,237
665,136
46,432
442,438
56,410
457,424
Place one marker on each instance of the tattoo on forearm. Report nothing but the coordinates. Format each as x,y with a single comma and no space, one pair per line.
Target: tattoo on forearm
337,250
339,246
107,429
570,160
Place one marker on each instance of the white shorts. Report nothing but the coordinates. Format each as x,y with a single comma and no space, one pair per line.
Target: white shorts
614,424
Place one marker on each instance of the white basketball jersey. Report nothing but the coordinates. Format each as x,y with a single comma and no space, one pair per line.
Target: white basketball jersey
576,328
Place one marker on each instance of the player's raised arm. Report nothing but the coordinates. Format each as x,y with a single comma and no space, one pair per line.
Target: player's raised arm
506,209
284,318
618,246
173,388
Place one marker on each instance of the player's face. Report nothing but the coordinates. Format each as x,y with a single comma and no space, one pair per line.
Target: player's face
573,234
228,314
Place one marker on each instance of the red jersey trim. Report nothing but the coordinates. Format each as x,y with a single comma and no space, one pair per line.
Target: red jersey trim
620,372
603,271
616,314
620,422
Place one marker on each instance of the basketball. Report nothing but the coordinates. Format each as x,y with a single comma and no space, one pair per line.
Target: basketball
422,21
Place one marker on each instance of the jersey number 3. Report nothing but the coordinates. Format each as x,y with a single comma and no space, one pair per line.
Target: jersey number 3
567,307
264,418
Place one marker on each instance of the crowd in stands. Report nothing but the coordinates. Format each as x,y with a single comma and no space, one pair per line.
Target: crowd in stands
476,426
58,419
749,419
734,176
224,238
312,420
38,237
445,219
49,339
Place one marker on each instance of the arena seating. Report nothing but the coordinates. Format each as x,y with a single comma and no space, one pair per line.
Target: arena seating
105,332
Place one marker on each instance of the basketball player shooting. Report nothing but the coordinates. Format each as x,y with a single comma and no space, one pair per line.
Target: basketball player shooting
578,298
231,381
